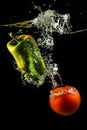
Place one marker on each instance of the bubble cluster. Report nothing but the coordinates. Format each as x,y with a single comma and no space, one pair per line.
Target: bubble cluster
66,91
48,22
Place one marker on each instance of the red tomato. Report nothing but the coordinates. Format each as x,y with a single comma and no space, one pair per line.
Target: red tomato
64,100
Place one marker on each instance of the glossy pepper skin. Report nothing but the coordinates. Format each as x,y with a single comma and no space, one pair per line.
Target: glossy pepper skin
28,58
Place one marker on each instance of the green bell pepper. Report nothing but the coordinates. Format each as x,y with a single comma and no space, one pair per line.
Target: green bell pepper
28,58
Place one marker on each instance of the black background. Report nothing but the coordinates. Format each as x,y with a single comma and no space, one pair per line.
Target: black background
25,106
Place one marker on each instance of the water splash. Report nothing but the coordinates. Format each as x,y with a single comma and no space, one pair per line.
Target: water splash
50,21
47,22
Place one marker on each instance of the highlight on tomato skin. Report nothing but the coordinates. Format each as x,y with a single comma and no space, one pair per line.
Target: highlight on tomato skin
65,100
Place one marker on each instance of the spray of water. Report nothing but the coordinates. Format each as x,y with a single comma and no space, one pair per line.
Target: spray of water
47,22
50,21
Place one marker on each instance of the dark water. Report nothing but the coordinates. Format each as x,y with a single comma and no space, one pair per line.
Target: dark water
26,106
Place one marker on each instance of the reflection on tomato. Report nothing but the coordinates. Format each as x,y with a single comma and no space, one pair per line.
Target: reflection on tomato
65,100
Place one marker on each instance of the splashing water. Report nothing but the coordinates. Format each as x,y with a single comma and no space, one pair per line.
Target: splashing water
51,21
48,22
